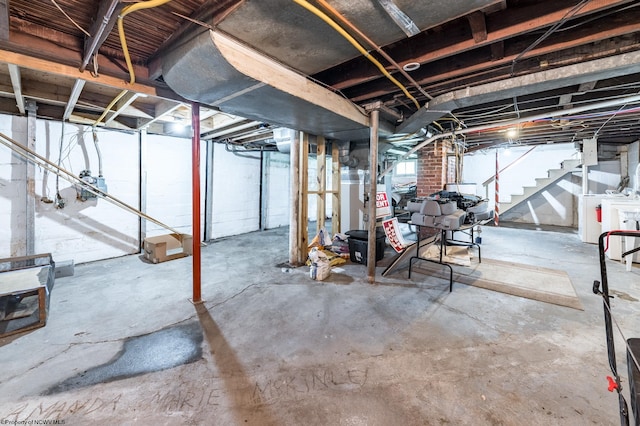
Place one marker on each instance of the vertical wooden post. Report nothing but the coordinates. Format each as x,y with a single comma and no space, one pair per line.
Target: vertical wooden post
208,190
30,218
303,214
321,176
335,181
195,201
142,184
496,217
294,184
374,117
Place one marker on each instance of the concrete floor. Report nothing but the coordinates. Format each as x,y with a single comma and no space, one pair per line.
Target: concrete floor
124,345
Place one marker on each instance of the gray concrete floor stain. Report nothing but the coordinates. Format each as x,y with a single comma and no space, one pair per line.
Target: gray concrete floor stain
281,349
160,350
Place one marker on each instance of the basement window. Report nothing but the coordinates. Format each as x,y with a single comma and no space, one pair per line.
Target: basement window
406,168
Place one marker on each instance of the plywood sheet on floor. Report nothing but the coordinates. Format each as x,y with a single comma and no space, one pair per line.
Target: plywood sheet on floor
533,282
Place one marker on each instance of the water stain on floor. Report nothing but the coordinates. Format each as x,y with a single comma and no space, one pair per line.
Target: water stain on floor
623,296
160,350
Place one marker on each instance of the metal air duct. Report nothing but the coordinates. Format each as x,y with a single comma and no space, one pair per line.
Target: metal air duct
214,69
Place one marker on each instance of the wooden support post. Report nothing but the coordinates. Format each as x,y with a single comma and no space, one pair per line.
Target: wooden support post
374,117
142,185
303,213
321,176
208,191
294,215
30,217
335,181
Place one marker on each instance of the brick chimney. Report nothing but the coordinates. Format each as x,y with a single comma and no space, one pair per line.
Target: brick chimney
432,167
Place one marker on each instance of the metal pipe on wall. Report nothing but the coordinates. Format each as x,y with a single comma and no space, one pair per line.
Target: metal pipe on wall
374,117
547,115
195,201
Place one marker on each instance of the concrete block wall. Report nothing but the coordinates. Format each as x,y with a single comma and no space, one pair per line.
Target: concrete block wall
95,229
236,194
277,190
168,183
13,190
82,230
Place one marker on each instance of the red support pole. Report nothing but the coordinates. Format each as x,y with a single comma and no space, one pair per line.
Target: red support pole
195,201
496,217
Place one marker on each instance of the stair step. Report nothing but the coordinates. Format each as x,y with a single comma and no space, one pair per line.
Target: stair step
553,175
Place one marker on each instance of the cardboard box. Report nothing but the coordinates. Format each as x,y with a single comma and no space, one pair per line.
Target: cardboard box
167,247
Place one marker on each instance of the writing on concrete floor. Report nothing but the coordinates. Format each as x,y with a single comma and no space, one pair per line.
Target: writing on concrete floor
59,410
185,397
296,384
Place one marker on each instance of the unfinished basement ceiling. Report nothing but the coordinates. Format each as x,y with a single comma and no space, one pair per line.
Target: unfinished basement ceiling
459,45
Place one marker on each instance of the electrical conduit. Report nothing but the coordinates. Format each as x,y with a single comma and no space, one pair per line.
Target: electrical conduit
320,14
373,44
125,50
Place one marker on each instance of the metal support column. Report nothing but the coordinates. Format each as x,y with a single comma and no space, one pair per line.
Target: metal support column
374,117
30,217
335,183
321,176
195,200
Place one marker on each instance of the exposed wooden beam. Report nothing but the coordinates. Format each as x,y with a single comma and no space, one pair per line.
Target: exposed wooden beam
162,109
23,28
587,87
565,101
121,105
103,23
478,62
497,50
478,26
47,66
4,20
16,82
47,44
73,98
500,26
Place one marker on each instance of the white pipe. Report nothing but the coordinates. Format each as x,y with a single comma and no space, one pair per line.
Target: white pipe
576,110
39,160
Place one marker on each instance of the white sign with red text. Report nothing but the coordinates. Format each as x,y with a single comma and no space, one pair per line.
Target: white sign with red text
383,209
392,231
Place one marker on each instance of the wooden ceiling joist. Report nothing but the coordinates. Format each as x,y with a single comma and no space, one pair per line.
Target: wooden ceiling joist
103,23
16,82
73,98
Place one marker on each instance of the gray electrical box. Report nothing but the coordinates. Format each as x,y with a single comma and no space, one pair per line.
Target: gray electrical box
98,182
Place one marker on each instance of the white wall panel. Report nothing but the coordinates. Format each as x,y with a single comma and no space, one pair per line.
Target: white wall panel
236,193
480,166
93,229
169,183
277,190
